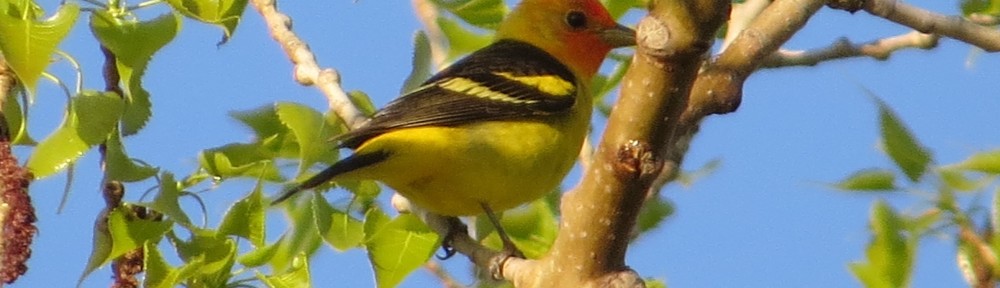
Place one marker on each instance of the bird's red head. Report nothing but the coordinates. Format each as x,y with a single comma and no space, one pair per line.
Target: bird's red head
579,33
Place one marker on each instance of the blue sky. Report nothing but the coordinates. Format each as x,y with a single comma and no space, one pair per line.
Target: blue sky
764,219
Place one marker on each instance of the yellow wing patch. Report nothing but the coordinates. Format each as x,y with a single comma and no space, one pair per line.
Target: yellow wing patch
551,84
469,87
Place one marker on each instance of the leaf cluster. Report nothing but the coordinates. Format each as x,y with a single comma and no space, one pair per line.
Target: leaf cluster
945,189
176,248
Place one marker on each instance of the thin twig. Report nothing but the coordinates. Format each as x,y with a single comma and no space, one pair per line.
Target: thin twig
7,81
427,13
842,48
984,19
586,154
307,71
926,21
446,279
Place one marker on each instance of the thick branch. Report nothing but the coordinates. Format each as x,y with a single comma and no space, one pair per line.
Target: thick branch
879,49
599,214
307,71
926,21
740,17
719,88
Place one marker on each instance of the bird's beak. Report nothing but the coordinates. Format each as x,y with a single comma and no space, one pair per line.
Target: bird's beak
619,36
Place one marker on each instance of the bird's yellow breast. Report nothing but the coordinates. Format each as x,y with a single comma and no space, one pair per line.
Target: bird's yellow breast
453,170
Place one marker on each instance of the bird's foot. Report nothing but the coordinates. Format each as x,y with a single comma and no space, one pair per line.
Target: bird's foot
454,226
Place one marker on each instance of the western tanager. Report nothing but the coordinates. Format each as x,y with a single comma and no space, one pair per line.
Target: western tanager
496,129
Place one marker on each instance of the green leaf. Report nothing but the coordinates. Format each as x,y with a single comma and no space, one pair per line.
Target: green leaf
995,222
223,13
311,132
362,101
655,283
129,234
398,247
421,63
133,43
274,138
337,228
159,274
956,178
216,254
924,222
101,246
617,8
246,218
119,167
28,44
890,253
22,9
260,256
57,150
533,228
900,144
653,212
91,119
302,238
460,40
262,120
604,85
16,121
688,178
97,115
869,180
167,200
988,7
157,269
480,13
240,160
985,162
296,276
375,220
365,190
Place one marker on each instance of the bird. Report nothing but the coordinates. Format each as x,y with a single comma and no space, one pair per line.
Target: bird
496,129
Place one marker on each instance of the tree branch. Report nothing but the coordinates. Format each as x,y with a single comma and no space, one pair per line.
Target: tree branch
842,48
926,21
984,19
599,213
307,71
719,87
740,17
446,280
427,13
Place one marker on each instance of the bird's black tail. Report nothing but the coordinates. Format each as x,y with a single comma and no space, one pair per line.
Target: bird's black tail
354,162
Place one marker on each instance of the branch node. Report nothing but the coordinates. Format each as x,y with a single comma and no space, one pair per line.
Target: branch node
497,264
654,35
636,160
622,279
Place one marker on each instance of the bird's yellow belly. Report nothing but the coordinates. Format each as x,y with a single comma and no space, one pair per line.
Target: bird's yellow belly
502,164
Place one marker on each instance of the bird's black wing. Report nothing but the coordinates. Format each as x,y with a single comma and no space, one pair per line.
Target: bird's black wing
506,80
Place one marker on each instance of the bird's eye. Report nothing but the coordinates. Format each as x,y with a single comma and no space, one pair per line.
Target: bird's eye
576,19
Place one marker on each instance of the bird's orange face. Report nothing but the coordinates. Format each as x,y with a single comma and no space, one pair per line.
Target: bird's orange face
579,33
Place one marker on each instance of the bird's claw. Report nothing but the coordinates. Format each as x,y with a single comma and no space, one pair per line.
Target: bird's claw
448,250
454,226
